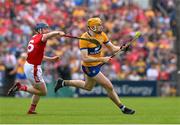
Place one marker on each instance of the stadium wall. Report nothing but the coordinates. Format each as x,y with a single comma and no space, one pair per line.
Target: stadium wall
123,88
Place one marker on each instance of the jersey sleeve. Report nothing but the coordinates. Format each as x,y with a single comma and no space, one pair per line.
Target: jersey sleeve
83,44
38,38
106,40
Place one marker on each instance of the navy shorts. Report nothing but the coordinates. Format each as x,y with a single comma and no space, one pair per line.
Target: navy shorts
20,76
91,71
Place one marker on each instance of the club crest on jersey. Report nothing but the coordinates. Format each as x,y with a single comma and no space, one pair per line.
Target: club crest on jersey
94,50
94,71
97,48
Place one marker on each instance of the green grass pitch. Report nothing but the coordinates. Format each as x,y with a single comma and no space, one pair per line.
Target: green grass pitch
90,110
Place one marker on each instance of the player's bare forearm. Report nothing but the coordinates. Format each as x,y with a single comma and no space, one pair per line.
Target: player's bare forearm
94,59
46,58
115,49
51,59
112,47
89,59
52,34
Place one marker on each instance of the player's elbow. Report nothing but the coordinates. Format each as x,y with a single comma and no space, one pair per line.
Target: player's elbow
43,93
85,59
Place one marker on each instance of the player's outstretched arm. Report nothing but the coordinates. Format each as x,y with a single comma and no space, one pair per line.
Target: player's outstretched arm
86,58
115,48
112,47
52,34
51,59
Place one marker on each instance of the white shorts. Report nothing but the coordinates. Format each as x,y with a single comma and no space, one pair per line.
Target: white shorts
33,73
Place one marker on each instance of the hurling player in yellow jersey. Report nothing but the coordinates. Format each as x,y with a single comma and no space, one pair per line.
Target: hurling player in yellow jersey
91,63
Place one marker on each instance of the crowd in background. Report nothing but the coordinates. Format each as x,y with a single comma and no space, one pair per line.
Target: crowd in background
151,58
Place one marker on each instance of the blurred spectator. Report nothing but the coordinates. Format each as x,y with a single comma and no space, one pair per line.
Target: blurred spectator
152,72
20,75
9,62
134,76
64,71
168,89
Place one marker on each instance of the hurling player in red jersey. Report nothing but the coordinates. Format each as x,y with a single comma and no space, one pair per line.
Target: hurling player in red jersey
32,67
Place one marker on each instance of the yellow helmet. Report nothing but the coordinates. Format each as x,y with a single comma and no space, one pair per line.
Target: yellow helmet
94,22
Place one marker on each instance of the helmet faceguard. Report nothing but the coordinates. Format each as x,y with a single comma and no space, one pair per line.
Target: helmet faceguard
95,25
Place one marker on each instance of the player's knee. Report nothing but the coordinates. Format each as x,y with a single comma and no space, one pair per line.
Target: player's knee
44,93
44,90
88,88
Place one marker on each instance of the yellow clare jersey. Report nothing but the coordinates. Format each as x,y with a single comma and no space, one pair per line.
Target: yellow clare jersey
20,68
93,49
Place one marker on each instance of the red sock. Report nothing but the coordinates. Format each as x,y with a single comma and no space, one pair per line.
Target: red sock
23,88
32,108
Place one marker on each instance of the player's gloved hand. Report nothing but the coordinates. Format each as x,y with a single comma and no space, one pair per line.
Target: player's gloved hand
125,47
105,59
